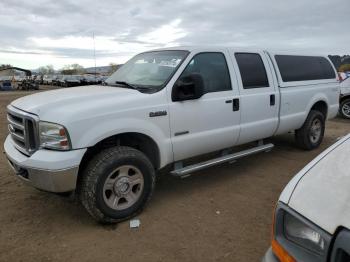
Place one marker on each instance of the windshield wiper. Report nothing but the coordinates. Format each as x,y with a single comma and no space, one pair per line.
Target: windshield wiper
126,84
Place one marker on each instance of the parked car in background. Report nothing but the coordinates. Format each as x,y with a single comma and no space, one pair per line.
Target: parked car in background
90,79
47,80
6,83
19,78
38,79
344,108
102,79
69,80
56,80
160,109
311,220
29,83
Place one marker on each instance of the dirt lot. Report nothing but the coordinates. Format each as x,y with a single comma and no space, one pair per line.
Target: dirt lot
221,214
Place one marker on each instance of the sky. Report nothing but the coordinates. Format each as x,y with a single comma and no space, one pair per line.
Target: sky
41,32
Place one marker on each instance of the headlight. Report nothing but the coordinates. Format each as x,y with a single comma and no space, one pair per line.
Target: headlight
296,238
53,136
302,234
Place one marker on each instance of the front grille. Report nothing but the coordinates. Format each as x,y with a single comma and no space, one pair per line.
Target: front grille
23,129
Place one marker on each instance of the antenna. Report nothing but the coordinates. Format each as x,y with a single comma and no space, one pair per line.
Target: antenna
93,38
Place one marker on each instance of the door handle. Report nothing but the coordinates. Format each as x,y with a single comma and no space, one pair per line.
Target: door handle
272,100
235,104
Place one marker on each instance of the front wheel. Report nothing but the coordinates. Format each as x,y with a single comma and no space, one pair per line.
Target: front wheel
310,135
344,108
117,184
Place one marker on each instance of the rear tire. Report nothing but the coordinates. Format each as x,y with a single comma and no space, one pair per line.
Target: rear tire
117,184
310,135
344,108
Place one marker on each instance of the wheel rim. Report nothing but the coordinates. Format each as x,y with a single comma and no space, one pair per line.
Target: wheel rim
346,109
123,187
316,131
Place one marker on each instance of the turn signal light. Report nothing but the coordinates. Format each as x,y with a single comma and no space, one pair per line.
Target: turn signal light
279,252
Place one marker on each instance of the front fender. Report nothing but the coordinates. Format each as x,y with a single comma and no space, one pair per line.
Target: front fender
158,131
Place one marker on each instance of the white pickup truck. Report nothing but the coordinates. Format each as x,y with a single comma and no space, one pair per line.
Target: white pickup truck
344,102
161,108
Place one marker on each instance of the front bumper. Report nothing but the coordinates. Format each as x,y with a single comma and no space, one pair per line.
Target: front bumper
53,171
269,256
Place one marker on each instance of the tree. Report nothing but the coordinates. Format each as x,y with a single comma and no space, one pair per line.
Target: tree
46,70
113,68
72,69
42,70
50,69
344,68
3,66
336,59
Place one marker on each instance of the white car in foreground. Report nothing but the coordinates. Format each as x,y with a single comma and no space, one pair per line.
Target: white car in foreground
312,217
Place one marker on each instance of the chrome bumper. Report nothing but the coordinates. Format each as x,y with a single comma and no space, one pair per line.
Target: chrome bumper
49,180
48,170
269,256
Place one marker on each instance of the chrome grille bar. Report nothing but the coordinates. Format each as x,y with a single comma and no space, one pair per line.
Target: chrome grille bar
22,127
15,123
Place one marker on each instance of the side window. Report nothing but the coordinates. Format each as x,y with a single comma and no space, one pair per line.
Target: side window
252,70
304,68
213,68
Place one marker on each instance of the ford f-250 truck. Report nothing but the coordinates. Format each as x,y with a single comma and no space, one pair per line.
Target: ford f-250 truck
344,108
106,143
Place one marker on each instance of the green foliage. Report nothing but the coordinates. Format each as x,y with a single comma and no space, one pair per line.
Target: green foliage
344,68
72,69
113,67
3,66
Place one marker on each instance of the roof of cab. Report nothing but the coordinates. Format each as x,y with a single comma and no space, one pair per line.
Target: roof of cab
203,48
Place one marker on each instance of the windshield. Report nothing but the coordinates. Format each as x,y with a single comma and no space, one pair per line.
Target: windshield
148,70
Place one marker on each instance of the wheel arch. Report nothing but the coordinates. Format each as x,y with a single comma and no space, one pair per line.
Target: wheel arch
344,97
321,106
139,141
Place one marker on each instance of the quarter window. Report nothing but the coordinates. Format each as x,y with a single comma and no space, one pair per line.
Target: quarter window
252,69
213,68
304,68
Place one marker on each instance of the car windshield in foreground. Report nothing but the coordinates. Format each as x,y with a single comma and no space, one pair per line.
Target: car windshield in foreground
148,71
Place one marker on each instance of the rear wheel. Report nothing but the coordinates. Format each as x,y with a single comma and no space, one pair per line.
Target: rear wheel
310,135
345,108
117,184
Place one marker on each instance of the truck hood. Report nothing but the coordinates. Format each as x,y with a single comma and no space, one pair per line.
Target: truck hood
72,98
321,191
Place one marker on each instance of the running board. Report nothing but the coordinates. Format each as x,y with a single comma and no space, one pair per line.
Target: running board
185,171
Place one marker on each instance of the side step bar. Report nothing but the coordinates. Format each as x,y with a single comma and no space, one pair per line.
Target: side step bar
185,171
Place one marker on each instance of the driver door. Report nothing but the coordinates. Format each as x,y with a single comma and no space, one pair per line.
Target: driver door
212,121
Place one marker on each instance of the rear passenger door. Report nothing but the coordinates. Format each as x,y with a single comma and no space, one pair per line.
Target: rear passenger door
259,96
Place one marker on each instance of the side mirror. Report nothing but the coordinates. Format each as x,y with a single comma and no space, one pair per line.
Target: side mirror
188,88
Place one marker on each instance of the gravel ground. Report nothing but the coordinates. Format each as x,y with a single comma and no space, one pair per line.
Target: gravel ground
220,214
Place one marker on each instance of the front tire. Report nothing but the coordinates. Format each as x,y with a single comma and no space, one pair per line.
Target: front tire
310,135
117,184
344,108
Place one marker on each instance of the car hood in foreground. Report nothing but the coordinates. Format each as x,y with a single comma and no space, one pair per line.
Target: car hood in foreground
321,191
